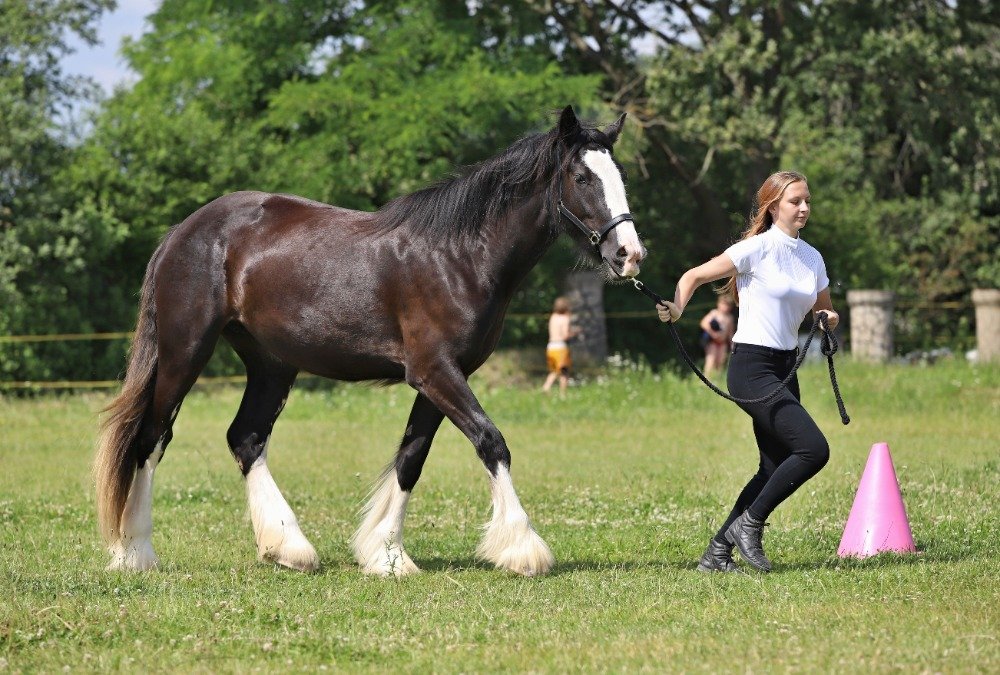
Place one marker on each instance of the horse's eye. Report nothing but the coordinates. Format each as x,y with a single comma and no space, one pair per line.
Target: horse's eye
581,179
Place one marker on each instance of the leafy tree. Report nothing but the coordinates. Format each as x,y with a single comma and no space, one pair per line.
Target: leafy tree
330,100
890,108
411,95
914,206
42,256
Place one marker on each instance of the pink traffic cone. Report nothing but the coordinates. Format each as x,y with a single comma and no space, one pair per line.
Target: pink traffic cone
878,518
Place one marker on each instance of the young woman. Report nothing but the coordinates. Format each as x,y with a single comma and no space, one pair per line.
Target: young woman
778,279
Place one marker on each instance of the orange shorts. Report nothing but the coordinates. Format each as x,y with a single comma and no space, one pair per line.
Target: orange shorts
558,359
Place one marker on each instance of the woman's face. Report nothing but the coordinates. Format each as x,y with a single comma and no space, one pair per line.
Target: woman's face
792,210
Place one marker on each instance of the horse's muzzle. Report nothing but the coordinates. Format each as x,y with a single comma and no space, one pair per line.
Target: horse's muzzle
628,258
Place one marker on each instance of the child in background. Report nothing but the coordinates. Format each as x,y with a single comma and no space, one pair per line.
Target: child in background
718,327
557,351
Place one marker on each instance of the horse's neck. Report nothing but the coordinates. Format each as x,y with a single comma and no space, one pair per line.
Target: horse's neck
517,242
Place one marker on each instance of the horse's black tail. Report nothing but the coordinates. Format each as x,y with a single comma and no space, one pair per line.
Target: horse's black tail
116,461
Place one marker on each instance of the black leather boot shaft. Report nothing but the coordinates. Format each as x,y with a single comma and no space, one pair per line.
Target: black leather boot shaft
747,535
718,557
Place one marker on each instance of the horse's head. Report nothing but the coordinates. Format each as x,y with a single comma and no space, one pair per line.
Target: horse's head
592,194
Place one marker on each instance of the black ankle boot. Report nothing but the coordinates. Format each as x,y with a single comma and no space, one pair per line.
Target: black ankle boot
747,534
718,557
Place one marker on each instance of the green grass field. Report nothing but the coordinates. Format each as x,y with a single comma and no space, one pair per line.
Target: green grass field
626,480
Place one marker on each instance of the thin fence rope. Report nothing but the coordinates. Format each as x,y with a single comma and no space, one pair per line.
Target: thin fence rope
111,384
69,337
64,337
517,316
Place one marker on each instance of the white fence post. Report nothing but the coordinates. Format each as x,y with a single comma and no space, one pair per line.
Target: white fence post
871,324
987,302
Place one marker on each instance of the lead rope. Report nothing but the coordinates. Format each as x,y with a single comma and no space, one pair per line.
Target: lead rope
828,347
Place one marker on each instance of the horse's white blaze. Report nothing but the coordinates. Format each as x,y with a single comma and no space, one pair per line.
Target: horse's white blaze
509,540
275,527
624,235
134,548
378,541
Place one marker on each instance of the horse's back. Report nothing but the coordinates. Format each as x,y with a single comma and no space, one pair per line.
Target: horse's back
247,223
238,210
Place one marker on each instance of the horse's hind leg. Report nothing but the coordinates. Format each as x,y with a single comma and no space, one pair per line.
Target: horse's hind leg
275,527
133,550
178,366
378,541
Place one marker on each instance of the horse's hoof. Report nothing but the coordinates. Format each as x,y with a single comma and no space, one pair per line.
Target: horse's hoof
135,557
519,550
390,562
532,567
297,554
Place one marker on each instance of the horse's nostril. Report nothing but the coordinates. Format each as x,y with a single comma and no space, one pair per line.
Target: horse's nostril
622,253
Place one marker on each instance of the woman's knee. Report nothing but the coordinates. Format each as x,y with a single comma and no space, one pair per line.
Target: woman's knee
817,452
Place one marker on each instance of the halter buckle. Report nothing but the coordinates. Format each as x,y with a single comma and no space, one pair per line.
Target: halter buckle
595,238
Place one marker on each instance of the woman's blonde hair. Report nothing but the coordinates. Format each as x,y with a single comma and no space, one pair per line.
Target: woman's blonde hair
768,195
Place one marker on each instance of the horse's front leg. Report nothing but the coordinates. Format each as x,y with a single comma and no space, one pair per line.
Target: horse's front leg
509,541
378,541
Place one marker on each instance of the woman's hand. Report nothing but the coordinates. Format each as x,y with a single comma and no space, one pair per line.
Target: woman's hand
824,304
832,318
668,311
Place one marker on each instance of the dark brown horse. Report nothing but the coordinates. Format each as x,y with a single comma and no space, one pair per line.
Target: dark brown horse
414,292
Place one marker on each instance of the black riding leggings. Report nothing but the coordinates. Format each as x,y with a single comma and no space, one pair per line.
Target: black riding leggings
792,448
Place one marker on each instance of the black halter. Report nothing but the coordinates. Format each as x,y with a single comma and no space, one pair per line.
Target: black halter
596,237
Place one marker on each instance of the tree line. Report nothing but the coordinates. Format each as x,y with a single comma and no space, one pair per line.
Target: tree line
889,107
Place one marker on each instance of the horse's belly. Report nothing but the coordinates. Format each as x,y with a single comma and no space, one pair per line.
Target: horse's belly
356,368
340,353
340,361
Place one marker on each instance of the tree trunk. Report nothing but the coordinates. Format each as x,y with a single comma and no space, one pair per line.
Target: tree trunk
585,291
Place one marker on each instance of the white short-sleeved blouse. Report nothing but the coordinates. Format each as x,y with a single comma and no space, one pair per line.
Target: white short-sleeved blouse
778,279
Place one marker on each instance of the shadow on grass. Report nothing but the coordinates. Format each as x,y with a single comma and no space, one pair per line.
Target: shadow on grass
561,567
880,561
574,565
570,566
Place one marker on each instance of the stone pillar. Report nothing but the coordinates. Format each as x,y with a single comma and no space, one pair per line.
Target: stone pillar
871,324
987,302
585,291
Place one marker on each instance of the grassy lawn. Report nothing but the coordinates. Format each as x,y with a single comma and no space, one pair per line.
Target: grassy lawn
626,480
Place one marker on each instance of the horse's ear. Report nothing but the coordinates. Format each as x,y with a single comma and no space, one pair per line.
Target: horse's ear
569,125
612,130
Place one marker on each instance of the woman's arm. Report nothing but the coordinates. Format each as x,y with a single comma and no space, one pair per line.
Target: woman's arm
825,304
719,267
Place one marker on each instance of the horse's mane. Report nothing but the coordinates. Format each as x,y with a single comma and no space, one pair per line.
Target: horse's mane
484,193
